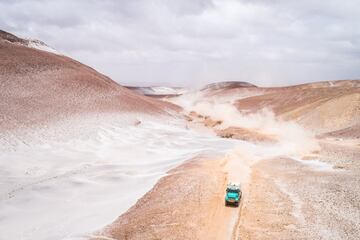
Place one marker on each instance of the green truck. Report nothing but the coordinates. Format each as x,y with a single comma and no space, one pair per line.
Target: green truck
233,194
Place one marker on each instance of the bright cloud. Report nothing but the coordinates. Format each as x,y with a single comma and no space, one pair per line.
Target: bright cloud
194,42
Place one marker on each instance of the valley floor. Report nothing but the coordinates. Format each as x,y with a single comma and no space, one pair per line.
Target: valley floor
283,198
69,189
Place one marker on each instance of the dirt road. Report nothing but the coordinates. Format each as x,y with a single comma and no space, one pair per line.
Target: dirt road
186,204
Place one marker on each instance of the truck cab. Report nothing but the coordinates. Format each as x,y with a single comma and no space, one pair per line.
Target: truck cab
233,194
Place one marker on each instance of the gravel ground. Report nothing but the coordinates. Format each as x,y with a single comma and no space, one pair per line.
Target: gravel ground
291,200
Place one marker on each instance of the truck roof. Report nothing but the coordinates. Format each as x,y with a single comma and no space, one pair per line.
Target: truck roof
233,186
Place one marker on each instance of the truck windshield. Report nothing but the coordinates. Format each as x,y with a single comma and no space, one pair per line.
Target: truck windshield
232,191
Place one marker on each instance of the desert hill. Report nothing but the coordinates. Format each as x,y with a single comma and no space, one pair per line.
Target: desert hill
328,107
38,87
322,107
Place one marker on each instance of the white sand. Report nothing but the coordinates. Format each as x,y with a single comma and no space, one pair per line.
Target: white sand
65,190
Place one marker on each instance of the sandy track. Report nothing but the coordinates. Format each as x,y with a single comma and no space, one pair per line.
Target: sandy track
186,204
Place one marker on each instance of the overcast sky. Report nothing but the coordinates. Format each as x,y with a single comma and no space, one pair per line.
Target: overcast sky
194,42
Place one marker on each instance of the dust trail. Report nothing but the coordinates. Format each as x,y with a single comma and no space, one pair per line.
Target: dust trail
292,140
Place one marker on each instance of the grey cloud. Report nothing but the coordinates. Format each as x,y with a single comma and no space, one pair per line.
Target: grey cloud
193,42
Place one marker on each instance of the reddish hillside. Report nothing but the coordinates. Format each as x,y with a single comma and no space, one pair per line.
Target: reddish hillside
38,86
223,89
322,107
